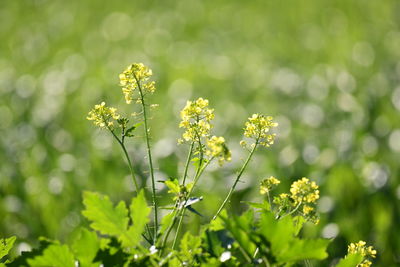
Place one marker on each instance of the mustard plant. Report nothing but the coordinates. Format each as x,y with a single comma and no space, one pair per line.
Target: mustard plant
121,236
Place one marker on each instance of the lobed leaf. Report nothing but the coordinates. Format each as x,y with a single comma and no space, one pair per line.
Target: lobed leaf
285,246
139,212
350,260
105,218
54,255
85,247
5,245
190,246
173,186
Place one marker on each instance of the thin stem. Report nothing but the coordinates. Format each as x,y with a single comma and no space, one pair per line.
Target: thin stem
184,179
187,163
236,181
127,159
168,232
269,201
146,132
181,213
293,211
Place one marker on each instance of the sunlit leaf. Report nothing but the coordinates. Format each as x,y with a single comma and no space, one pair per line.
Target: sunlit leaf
5,245
173,186
54,255
104,217
350,260
139,213
85,247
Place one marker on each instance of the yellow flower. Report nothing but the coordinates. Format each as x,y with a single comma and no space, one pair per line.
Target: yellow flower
307,209
103,116
360,247
268,184
258,126
218,148
136,76
196,118
304,191
281,199
365,251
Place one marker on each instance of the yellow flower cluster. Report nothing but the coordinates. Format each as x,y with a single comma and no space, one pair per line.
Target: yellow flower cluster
304,191
218,148
258,127
136,76
103,116
268,184
301,200
196,118
365,251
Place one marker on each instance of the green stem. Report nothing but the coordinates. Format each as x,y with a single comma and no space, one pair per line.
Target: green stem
269,201
127,159
184,179
292,211
182,212
187,163
236,181
168,232
146,132
178,228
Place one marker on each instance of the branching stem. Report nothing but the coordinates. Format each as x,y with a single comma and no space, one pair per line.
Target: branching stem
127,159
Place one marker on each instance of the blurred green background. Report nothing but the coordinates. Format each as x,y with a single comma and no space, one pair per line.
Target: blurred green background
328,71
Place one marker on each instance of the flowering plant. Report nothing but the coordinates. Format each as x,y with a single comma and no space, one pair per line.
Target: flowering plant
124,235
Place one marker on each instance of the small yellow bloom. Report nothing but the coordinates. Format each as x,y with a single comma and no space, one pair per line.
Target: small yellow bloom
365,251
196,118
136,76
103,116
218,148
304,191
258,126
307,209
268,184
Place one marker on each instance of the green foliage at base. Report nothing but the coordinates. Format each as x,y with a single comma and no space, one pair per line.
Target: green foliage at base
254,237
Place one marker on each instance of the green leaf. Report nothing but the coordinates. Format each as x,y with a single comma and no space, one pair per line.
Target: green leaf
85,247
299,222
129,131
190,246
173,186
285,246
166,222
5,245
302,249
241,227
260,206
218,223
278,232
212,243
105,218
26,255
139,212
55,256
350,260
